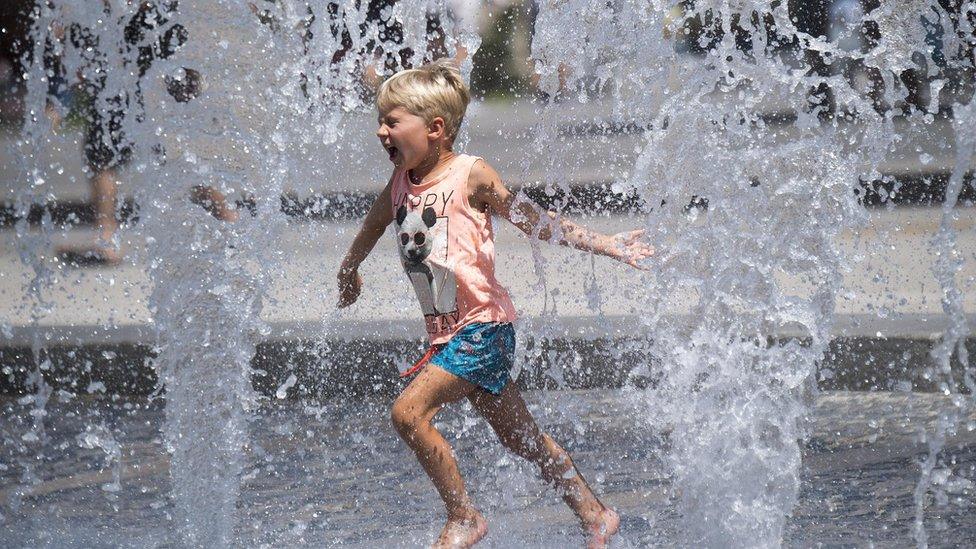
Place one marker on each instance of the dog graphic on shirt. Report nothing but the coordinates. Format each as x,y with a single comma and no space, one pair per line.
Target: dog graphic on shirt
422,241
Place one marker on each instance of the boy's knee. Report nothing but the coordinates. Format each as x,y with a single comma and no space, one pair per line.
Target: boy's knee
405,419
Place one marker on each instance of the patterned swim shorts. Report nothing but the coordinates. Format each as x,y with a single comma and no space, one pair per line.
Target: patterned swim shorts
482,353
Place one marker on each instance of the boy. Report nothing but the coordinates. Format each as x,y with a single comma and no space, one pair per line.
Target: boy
441,204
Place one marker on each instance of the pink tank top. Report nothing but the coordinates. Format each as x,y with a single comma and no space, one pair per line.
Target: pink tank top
447,249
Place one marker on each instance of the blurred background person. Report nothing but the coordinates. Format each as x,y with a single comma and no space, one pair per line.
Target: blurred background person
149,34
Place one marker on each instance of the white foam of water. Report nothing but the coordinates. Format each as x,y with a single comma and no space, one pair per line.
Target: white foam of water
778,195
99,436
953,342
777,198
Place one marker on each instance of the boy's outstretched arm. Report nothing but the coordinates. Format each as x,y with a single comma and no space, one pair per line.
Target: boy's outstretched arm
487,190
380,215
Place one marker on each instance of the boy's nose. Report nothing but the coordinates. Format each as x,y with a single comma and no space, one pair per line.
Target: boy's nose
381,132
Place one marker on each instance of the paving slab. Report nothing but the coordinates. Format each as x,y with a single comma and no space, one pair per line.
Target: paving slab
890,292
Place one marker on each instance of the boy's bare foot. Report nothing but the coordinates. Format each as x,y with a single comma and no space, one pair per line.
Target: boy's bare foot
600,531
461,533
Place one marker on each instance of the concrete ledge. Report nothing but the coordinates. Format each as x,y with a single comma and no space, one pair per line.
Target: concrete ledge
846,325
330,367
900,189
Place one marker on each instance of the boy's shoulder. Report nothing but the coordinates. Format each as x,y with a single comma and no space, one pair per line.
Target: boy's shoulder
483,180
481,170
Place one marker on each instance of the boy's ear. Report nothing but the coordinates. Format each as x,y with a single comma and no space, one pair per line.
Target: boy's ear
437,126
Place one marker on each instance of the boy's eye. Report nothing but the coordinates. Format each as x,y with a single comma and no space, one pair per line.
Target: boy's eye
419,239
404,238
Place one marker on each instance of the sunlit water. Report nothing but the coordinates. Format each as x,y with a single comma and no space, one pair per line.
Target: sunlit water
733,405
777,196
316,475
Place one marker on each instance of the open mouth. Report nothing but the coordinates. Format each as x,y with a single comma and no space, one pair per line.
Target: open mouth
392,151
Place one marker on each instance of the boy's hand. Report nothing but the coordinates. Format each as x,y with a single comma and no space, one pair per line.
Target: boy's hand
380,215
350,285
628,248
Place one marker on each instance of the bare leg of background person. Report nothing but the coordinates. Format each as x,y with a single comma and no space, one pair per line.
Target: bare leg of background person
371,77
54,116
104,196
563,71
104,250
214,202
104,188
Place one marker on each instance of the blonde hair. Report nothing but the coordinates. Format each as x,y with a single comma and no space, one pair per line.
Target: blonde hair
433,90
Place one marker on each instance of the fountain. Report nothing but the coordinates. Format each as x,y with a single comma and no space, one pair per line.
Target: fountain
734,391
759,144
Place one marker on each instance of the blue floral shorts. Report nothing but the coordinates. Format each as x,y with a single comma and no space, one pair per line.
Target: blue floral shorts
482,353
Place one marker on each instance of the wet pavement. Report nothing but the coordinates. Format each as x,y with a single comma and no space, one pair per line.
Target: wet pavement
334,474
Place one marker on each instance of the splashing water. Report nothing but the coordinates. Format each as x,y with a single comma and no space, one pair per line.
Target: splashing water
246,91
770,151
99,436
954,340
778,193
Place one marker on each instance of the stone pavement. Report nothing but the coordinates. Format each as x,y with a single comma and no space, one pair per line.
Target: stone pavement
888,316
892,291
334,474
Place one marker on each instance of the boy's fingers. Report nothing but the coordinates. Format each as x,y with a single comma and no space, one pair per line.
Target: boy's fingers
635,263
642,249
632,236
345,301
638,252
349,291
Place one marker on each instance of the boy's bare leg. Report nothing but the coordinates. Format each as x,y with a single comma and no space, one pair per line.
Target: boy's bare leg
518,431
413,414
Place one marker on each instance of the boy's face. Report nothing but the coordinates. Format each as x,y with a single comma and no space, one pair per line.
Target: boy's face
405,136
